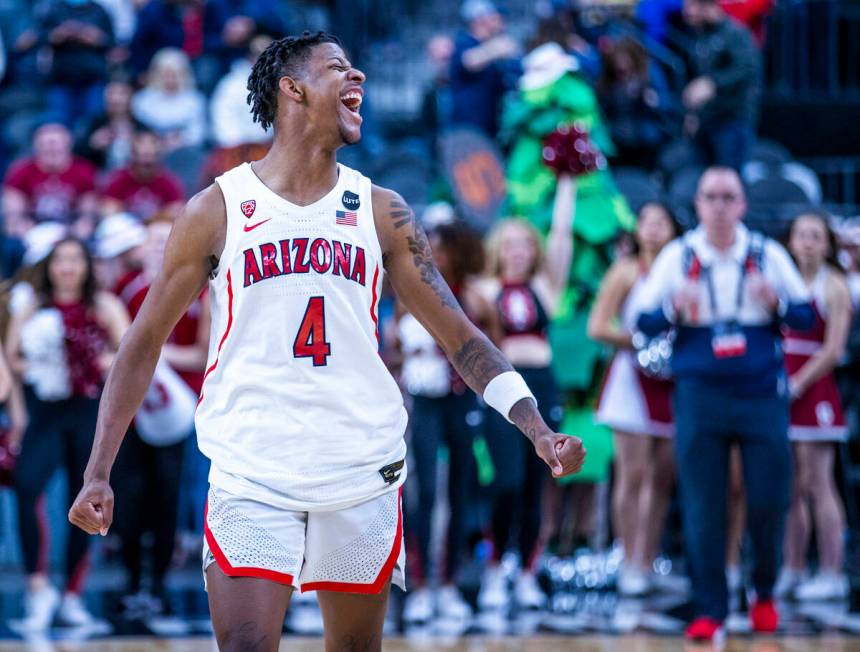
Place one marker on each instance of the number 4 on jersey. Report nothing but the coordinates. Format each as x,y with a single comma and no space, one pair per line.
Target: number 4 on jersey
310,340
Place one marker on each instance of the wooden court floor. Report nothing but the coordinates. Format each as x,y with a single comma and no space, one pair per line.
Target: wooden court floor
632,643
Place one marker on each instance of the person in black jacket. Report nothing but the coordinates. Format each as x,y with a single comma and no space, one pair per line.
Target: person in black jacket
79,33
634,95
722,99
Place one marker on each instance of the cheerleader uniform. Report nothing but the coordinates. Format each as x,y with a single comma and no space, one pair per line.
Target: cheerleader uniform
630,400
519,473
63,381
817,414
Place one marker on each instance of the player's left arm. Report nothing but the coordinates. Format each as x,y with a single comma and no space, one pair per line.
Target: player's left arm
420,287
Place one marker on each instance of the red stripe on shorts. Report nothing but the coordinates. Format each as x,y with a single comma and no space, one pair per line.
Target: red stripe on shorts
384,574
239,571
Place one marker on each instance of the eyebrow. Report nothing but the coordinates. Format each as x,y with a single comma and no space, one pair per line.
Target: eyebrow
341,60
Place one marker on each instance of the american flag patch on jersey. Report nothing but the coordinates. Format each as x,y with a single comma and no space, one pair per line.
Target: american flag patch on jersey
347,218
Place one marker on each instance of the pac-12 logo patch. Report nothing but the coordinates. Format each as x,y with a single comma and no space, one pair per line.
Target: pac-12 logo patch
350,200
248,207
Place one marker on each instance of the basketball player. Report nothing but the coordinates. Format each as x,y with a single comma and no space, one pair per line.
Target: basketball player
298,414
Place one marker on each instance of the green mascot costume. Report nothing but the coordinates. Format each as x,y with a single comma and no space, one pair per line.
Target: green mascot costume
551,94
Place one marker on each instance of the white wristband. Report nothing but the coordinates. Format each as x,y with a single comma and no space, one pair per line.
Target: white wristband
504,391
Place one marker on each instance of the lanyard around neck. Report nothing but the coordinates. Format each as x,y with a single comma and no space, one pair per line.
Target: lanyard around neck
712,295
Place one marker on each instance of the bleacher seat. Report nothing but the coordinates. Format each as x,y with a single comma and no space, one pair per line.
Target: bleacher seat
186,163
776,191
637,186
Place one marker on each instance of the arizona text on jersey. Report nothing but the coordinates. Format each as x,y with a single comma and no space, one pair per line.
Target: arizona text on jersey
297,408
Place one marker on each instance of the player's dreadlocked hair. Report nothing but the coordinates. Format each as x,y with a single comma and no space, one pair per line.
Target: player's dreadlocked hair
283,57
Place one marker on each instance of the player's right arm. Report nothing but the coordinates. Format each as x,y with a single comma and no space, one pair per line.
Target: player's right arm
193,248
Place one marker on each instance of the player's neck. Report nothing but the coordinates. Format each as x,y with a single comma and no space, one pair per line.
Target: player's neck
300,172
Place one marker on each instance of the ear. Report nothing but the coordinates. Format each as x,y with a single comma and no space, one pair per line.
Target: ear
291,88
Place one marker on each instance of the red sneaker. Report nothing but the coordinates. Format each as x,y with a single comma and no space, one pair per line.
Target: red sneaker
764,617
705,629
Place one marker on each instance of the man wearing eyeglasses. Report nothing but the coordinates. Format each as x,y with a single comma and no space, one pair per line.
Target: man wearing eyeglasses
725,291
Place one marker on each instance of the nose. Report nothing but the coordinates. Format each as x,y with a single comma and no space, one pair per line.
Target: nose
357,76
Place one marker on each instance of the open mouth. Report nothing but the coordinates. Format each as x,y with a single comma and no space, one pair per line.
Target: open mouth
351,100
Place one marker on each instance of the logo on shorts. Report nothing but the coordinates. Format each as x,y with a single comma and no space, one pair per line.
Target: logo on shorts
391,472
248,207
350,200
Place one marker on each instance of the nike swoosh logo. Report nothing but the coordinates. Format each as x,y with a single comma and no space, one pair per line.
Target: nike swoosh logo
254,226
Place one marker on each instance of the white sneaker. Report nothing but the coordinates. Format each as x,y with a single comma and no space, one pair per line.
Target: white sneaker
451,604
824,585
527,593
419,606
734,578
40,606
494,588
632,582
787,582
73,612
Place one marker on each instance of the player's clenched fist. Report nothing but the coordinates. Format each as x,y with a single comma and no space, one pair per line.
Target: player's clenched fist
92,510
562,453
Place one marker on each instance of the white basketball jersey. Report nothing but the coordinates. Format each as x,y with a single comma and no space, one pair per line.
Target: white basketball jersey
297,408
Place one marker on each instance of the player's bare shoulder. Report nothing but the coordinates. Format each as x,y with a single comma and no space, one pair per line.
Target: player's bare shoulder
201,228
406,253
393,217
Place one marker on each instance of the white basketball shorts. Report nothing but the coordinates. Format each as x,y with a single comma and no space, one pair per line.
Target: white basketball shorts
352,550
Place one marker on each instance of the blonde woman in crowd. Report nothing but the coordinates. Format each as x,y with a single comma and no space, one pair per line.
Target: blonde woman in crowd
817,422
525,286
169,104
636,406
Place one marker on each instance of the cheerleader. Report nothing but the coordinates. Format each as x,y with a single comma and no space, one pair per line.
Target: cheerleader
525,285
817,421
635,406
60,346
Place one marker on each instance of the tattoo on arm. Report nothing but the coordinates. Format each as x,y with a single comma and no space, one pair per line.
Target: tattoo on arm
400,213
527,418
422,256
478,362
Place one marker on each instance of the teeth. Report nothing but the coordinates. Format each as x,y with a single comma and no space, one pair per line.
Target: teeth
351,96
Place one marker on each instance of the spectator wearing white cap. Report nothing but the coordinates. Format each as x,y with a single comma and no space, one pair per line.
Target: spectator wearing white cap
483,56
118,254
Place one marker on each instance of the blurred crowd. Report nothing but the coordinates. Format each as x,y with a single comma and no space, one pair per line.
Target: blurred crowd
145,102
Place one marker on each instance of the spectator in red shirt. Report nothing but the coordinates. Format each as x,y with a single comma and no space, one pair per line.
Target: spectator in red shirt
53,184
144,187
